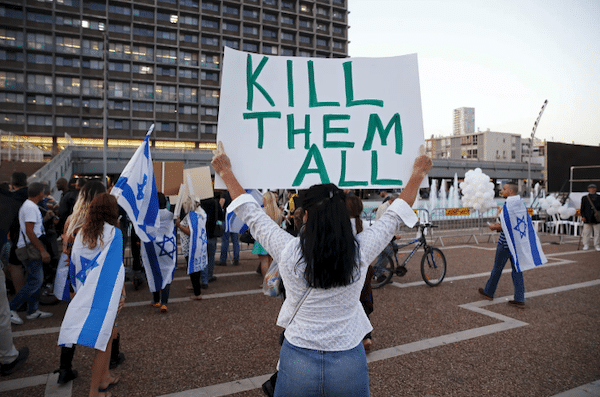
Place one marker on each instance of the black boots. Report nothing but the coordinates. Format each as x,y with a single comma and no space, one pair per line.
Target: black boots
116,357
66,373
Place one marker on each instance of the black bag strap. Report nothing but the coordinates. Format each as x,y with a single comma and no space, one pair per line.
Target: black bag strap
593,206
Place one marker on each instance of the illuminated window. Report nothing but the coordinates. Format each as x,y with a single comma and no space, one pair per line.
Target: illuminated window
188,94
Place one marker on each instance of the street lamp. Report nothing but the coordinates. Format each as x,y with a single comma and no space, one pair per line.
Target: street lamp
531,147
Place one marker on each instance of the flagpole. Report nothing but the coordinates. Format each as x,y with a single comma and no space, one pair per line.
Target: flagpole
105,119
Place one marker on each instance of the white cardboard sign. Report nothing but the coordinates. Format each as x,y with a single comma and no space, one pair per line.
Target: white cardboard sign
292,122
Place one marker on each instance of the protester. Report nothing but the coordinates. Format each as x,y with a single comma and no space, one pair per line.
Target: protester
98,262
323,270
590,208
14,201
509,192
30,232
213,213
273,211
234,237
66,204
160,256
194,225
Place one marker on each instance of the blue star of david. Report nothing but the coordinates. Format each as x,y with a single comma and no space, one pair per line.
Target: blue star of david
163,250
203,236
521,226
86,265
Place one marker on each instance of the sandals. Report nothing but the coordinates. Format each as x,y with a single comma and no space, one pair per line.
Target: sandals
112,384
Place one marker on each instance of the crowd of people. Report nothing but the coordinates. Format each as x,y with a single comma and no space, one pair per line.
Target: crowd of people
314,237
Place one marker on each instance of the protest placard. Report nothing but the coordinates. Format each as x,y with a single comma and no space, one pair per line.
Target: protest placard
291,122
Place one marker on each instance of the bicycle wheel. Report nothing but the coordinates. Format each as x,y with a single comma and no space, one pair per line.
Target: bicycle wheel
433,266
384,270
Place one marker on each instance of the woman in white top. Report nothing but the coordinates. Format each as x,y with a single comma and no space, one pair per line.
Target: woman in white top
322,354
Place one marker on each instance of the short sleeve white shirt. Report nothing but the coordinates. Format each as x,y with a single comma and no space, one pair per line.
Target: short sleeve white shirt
29,212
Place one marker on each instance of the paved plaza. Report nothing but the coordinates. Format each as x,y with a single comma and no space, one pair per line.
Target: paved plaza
441,341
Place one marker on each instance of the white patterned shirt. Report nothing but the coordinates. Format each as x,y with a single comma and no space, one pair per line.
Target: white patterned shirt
329,319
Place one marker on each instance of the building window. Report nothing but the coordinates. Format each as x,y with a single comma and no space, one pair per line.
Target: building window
303,23
209,23
338,15
166,56
143,69
173,2
231,10
322,11
269,33
253,14
140,31
188,73
142,91
143,106
166,71
92,103
119,105
338,30
208,128
116,28
67,121
40,100
270,49
119,67
142,125
39,120
304,54
118,124
269,17
214,41
9,97
67,85
206,5
119,51
338,45
322,42
231,27
39,83
40,41
188,38
165,108
287,52
166,35
188,128
288,4
321,27
118,89
92,48
166,93
11,38
115,9
287,20
212,76
142,53
143,13
210,61
12,12
231,43
93,87
250,47
189,3
209,111
42,59
189,20
306,8
70,3
253,30
188,58
304,39
188,94
13,56
38,17
209,97
10,118
287,36
92,64
270,3
15,81
67,102
187,109
165,127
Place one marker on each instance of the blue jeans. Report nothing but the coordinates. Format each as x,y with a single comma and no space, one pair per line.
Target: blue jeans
30,292
225,246
211,248
503,255
312,373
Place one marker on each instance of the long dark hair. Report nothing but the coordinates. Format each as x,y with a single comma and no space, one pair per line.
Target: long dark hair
103,208
355,209
328,245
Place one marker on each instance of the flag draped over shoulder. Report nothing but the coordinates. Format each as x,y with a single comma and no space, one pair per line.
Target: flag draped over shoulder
235,225
98,276
160,256
198,254
136,191
61,280
521,238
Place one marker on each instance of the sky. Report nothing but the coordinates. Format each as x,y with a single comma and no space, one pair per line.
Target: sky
503,57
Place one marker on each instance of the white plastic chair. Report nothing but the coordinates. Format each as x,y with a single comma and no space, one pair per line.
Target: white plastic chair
576,224
556,223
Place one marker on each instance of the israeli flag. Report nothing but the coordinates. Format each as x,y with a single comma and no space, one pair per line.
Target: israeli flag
135,191
198,254
521,238
61,280
235,225
98,276
160,256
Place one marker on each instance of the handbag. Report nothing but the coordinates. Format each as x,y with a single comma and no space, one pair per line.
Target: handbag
246,237
28,252
596,212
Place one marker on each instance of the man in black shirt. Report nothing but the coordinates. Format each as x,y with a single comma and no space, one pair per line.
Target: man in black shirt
590,207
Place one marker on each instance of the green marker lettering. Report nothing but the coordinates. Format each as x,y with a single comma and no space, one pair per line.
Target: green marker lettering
312,90
251,77
291,131
350,101
327,129
290,83
374,171
343,181
313,152
376,124
260,116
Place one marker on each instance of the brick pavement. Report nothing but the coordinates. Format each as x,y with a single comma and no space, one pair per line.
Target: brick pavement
428,341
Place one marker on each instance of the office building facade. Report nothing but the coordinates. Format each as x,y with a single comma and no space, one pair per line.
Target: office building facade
464,121
158,61
481,146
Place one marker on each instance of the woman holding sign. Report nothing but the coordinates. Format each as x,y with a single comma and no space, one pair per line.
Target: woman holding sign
324,270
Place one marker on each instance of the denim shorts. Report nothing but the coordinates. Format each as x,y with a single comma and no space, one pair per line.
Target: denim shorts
308,373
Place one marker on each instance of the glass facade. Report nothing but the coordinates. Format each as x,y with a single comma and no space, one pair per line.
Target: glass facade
163,60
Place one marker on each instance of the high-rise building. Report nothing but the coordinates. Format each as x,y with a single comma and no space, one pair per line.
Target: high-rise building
464,121
162,60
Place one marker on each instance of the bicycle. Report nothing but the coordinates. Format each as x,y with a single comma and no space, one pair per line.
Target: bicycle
433,262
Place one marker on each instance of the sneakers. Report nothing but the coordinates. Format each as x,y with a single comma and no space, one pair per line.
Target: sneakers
520,305
15,318
163,309
236,262
586,247
38,314
597,248
482,292
8,369
155,304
